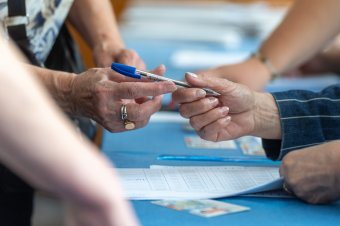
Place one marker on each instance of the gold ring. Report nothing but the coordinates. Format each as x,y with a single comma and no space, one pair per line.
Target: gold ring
124,115
129,125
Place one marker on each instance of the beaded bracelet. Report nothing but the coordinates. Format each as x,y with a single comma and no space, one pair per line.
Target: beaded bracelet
267,63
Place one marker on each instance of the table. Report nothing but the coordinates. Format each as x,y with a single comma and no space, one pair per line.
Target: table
140,148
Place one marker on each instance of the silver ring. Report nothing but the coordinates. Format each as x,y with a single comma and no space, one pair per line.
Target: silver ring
128,125
123,112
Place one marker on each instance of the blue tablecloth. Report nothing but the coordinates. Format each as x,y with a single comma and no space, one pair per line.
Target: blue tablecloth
140,149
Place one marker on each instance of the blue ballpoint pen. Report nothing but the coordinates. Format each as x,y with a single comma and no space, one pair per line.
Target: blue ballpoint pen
210,158
138,74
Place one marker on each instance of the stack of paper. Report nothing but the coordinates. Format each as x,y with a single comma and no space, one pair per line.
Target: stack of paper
197,182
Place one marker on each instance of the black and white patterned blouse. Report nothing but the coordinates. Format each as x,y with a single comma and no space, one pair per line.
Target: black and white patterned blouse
45,20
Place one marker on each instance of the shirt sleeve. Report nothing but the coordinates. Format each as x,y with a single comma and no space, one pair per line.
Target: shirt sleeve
307,119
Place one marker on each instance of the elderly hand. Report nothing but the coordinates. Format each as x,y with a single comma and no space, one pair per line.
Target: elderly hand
313,173
105,54
251,73
99,94
236,112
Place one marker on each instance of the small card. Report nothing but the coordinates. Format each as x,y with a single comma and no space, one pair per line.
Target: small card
197,142
202,208
251,146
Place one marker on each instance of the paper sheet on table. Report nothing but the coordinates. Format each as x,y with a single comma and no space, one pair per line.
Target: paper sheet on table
197,182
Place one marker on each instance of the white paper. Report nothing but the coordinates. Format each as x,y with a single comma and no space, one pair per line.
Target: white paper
197,182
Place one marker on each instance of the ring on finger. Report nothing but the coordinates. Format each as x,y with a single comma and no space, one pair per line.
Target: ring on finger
128,125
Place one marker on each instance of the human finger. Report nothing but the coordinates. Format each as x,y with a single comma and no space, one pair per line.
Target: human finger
187,95
212,132
198,107
134,90
200,121
142,112
130,57
219,85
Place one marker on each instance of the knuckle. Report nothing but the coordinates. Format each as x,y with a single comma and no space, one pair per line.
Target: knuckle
286,163
138,114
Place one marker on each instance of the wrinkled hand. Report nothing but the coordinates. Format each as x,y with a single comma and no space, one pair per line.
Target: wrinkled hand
98,94
251,73
225,117
312,173
105,54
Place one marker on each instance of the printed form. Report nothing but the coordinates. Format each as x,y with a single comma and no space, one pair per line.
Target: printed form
197,182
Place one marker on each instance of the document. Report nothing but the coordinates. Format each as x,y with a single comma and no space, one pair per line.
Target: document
197,182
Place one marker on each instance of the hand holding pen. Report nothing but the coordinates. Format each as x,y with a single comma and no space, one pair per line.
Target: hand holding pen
139,74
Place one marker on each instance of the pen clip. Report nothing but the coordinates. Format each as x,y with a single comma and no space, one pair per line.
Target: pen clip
125,70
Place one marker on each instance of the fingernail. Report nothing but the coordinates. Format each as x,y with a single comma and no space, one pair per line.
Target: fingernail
212,100
192,74
224,110
227,119
201,93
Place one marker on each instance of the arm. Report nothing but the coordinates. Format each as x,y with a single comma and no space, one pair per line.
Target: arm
289,120
96,22
39,144
308,27
99,93
292,120
307,119
324,62
313,173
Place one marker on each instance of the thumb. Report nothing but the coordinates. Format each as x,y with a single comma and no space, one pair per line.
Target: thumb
219,85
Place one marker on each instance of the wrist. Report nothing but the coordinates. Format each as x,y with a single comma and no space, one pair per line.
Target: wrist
270,71
63,84
259,69
266,117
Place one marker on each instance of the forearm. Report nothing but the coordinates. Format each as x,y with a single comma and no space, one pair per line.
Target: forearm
309,27
307,118
96,22
39,144
266,117
58,84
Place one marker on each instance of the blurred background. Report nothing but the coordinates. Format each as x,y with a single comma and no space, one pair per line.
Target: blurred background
223,31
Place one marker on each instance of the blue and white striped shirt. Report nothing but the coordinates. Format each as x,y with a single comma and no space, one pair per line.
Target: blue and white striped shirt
307,119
